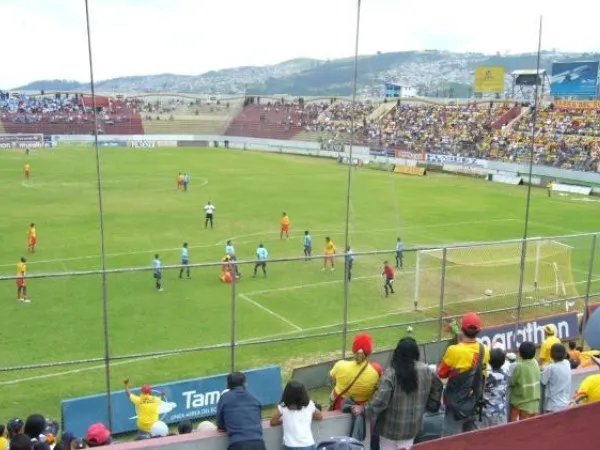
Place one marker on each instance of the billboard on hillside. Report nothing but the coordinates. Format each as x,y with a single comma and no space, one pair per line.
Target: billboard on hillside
578,78
489,80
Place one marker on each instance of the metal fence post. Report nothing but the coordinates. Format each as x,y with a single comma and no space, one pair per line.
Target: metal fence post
442,293
233,317
588,287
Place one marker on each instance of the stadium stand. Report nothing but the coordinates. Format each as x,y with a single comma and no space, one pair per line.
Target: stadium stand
566,137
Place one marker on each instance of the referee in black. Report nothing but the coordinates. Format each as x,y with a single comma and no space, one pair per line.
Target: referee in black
209,210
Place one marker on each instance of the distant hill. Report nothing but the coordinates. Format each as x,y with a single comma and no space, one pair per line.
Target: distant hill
428,72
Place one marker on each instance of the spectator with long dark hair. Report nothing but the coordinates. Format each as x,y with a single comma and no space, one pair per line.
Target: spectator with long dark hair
296,413
407,389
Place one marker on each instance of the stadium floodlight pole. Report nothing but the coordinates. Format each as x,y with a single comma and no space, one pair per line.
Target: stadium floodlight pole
348,181
529,176
101,220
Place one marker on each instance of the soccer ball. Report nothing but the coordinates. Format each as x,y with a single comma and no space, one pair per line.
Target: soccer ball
488,292
409,329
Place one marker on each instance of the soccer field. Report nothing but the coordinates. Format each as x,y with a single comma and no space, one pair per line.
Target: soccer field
145,214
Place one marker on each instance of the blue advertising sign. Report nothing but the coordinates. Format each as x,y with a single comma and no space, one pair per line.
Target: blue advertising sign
389,152
393,90
574,79
187,399
567,325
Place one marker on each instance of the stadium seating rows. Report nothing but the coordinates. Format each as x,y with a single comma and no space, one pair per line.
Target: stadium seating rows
565,138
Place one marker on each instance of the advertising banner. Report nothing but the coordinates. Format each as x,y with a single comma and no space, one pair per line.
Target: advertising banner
187,399
332,146
444,159
10,141
489,80
193,144
574,79
567,325
141,144
111,143
389,152
410,170
574,104
409,155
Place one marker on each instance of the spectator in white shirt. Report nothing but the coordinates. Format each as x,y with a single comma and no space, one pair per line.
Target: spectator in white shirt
556,379
296,412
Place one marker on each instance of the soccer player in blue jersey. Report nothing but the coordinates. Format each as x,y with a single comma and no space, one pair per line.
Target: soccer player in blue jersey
185,260
157,273
261,255
307,245
186,181
349,262
399,254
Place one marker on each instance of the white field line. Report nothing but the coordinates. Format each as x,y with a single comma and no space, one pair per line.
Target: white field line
320,327
271,312
319,233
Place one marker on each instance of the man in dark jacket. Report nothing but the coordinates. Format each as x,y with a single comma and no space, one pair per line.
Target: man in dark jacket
239,415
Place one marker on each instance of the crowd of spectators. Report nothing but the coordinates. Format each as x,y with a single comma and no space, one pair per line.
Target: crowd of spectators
407,402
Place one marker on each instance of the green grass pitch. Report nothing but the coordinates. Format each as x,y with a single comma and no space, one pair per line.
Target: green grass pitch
144,214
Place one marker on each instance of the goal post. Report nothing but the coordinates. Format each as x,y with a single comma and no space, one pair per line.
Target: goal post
491,272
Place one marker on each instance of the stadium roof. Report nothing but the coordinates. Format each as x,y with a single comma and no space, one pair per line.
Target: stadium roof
516,73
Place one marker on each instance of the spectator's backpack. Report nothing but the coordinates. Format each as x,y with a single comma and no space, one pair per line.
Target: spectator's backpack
464,391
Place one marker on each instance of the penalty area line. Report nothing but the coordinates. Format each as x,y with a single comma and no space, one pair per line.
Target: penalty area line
271,312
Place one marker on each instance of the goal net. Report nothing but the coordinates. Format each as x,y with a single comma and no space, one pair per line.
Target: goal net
490,273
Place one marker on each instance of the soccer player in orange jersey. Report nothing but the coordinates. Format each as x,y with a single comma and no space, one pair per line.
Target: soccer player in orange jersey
329,252
22,281
285,226
180,181
31,238
27,171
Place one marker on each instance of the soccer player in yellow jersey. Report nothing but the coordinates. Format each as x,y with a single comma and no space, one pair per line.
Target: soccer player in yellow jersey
22,281
31,238
180,181
329,252
26,171
285,226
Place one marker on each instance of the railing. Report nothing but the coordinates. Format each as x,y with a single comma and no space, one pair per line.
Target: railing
298,315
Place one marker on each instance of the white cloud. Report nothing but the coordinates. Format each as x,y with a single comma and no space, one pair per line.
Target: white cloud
47,38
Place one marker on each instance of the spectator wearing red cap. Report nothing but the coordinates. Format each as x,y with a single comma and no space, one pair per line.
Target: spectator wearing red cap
147,407
462,367
357,378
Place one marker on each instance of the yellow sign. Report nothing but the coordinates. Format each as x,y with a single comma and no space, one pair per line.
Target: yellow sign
409,170
489,80
570,104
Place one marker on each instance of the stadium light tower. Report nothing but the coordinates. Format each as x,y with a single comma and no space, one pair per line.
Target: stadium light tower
349,179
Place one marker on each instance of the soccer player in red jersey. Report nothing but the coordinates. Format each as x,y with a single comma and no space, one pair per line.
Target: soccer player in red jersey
388,278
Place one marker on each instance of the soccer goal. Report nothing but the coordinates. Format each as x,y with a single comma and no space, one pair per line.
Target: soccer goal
491,272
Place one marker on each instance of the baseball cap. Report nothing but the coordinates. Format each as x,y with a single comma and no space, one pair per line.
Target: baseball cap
550,329
146,389
97,434
471,321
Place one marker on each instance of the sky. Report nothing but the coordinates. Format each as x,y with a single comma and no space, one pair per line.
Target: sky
46,39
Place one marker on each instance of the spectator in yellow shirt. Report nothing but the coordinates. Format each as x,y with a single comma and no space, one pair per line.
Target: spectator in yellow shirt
589,390
551,339
3,438
147,407
357,378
